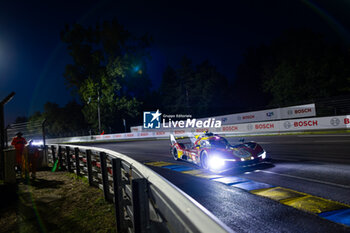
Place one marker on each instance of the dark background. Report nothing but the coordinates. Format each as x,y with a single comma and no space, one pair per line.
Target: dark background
32,57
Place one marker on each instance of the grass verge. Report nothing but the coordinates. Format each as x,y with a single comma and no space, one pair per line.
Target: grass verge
57,202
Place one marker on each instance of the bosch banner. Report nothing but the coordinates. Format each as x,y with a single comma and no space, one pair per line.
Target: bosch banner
307,110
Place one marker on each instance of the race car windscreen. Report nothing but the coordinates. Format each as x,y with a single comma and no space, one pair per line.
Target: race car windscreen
218,142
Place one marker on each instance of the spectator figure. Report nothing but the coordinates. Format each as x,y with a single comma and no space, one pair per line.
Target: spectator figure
30,157
19,142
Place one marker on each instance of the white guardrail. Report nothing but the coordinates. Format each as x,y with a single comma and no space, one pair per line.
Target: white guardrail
281,126
144,201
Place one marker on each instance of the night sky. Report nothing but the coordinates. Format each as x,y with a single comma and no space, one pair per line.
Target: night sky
32,58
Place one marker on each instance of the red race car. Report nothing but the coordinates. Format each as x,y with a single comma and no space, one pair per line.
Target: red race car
213,152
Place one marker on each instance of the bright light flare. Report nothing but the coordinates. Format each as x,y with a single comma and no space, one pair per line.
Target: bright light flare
38,143
216,162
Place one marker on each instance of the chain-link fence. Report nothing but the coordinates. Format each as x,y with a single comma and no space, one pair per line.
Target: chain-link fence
30,130
333,106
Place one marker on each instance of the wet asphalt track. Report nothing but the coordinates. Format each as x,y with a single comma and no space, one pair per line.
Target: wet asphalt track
314,164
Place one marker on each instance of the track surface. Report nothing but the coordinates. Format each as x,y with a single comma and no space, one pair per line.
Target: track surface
303,163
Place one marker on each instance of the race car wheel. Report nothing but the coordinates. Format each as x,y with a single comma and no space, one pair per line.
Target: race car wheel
204,160
175,154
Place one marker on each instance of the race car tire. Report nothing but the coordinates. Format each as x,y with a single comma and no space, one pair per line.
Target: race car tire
204,160
175,154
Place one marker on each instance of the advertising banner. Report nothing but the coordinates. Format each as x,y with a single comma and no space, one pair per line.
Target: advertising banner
136,129
334,122
283,126
170,124
301,124
307,110
265,115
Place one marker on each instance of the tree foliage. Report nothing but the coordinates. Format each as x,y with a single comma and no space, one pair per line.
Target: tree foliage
108,70
248,86
297,67
61,121
306,67
20,119
199,90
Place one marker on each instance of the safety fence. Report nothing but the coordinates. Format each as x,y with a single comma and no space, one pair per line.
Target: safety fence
32,130
255,128
144,201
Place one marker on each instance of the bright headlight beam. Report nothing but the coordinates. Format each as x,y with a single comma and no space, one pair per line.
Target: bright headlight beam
216,163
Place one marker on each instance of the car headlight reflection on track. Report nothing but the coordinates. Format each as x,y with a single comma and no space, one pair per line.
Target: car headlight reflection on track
216,162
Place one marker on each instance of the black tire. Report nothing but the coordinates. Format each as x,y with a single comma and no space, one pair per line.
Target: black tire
175,154
204,160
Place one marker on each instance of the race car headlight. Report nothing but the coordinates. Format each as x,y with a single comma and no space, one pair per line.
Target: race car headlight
216,162
263,155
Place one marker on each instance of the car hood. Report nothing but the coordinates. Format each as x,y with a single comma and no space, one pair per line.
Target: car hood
239,151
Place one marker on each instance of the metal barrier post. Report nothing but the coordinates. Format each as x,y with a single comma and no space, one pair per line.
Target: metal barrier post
46,155
144,205
53,152
140,205
104,175
60,157
77,161
118,195
68,159
2,143
44,136
89,166
2,133
6,137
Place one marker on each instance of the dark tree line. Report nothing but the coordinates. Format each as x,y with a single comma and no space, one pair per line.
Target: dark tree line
297,67
199,90
62,121
109,70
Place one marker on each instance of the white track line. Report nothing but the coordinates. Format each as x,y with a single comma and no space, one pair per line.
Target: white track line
331,141
308,179
303,142
325,135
